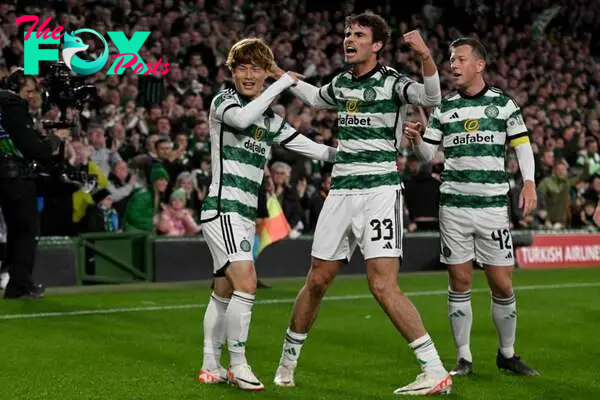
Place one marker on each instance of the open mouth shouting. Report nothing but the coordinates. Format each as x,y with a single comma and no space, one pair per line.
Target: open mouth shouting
249,85
350,51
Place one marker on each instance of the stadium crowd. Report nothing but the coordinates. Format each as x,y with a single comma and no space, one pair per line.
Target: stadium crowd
147,137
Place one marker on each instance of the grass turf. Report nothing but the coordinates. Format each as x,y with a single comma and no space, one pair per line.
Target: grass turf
154,350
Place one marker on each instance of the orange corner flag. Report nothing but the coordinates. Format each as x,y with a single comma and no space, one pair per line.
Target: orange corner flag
273,228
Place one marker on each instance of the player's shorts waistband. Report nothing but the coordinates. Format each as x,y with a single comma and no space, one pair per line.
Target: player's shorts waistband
364,192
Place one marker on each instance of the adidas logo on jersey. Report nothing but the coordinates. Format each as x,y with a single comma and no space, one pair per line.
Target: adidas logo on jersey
255,147
508,256
353,120
468,138
454,116
388,245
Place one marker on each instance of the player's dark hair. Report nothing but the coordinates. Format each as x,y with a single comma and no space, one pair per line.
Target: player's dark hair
476,46
379,27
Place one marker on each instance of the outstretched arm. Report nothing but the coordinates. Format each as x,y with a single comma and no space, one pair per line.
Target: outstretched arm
306,147
315,97
291,139
242,117
312,96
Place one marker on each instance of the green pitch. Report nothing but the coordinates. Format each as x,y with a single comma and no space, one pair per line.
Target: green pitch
145,342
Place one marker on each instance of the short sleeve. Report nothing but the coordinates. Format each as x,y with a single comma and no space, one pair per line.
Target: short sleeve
433,133
223,101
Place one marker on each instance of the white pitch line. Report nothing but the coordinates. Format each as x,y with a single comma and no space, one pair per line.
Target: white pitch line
275,301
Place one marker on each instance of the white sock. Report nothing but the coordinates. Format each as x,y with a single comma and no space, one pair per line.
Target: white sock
238,316
504,313
461,320
292,345
214,331
428,356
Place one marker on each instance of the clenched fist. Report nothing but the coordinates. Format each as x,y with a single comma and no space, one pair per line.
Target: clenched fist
416,42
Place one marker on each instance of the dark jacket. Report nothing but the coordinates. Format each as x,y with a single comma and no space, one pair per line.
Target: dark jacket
17,124
291,206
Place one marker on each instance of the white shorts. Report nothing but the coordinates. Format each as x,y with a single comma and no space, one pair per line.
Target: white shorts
230,238
373,221
472,233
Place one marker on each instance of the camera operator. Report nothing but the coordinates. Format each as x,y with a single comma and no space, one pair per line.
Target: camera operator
20,147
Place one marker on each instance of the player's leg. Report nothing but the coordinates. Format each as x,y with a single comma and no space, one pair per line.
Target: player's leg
304,314
232,252
214,325
4,276
379,229
495,250
215,332
330,245
457,251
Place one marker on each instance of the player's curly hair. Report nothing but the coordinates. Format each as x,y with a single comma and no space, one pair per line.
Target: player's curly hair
379,27
253,51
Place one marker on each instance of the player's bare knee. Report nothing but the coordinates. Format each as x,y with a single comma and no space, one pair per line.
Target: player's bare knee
381,287
321,275
318,282
500,281
242,276
222,287
502,287
381,284
460,278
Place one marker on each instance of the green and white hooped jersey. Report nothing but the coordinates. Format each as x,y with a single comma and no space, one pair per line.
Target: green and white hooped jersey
474,131
239,156
370,114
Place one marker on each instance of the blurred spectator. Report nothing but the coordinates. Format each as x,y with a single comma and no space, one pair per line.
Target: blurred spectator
585,219
175,219
81,160
169,159
422,198
590,156
555,194
121,183
317,200
144,204
142,163
592,193
545,165
287,195
101,156
193,196
101,216
63,211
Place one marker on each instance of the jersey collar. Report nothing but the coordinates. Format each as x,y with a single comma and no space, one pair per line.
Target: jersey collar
369,74
476,95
